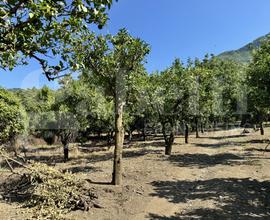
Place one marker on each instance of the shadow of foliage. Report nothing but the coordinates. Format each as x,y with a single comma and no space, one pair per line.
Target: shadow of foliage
82,169
139,153
204,160
234,198
262,141
43,149
225,137
146,144
230,143
47,159
217,145
90,157
258,149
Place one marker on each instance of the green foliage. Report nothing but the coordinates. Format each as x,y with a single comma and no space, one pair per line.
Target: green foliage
258,79
108,57
80,107
219,86
38,105
13,120
35,29
28,98
169,93
114,64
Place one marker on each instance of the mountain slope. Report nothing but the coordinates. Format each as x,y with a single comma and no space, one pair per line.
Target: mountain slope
244,54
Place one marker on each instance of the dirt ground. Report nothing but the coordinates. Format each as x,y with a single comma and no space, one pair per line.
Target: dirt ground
221,175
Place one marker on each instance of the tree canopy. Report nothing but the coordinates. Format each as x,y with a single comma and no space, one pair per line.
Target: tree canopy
258,81
12,116
45,30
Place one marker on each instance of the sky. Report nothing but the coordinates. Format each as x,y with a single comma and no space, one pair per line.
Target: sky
173,29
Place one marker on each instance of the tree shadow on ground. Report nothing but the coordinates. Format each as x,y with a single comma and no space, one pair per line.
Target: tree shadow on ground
217,145
224,137
94,158
47,159
257,149
148,137
142,152
90,157
152,143
234,198
95,146
42,149
262,141
232,143
204,160
82,169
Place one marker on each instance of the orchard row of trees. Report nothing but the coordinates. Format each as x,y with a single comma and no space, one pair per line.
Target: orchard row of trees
114,93
198,94
116,96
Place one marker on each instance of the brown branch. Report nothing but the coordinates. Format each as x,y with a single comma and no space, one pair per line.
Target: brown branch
9,165
15,161
44,66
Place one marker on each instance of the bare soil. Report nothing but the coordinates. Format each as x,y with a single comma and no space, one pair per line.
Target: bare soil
221,175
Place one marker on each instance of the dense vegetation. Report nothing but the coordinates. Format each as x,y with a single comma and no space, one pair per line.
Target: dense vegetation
182,98
13,117
45,30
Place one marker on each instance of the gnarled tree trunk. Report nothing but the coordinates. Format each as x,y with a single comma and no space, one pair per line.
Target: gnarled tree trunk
169,139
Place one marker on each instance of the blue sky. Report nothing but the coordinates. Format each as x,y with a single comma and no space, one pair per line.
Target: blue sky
173,28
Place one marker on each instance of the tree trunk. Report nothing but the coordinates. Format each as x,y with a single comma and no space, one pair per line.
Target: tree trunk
215,125
143,131
129,135
168,139
109,138
197,127
66,152
169,144
202,128
186,133
261,128
119,140
119,129
168,149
